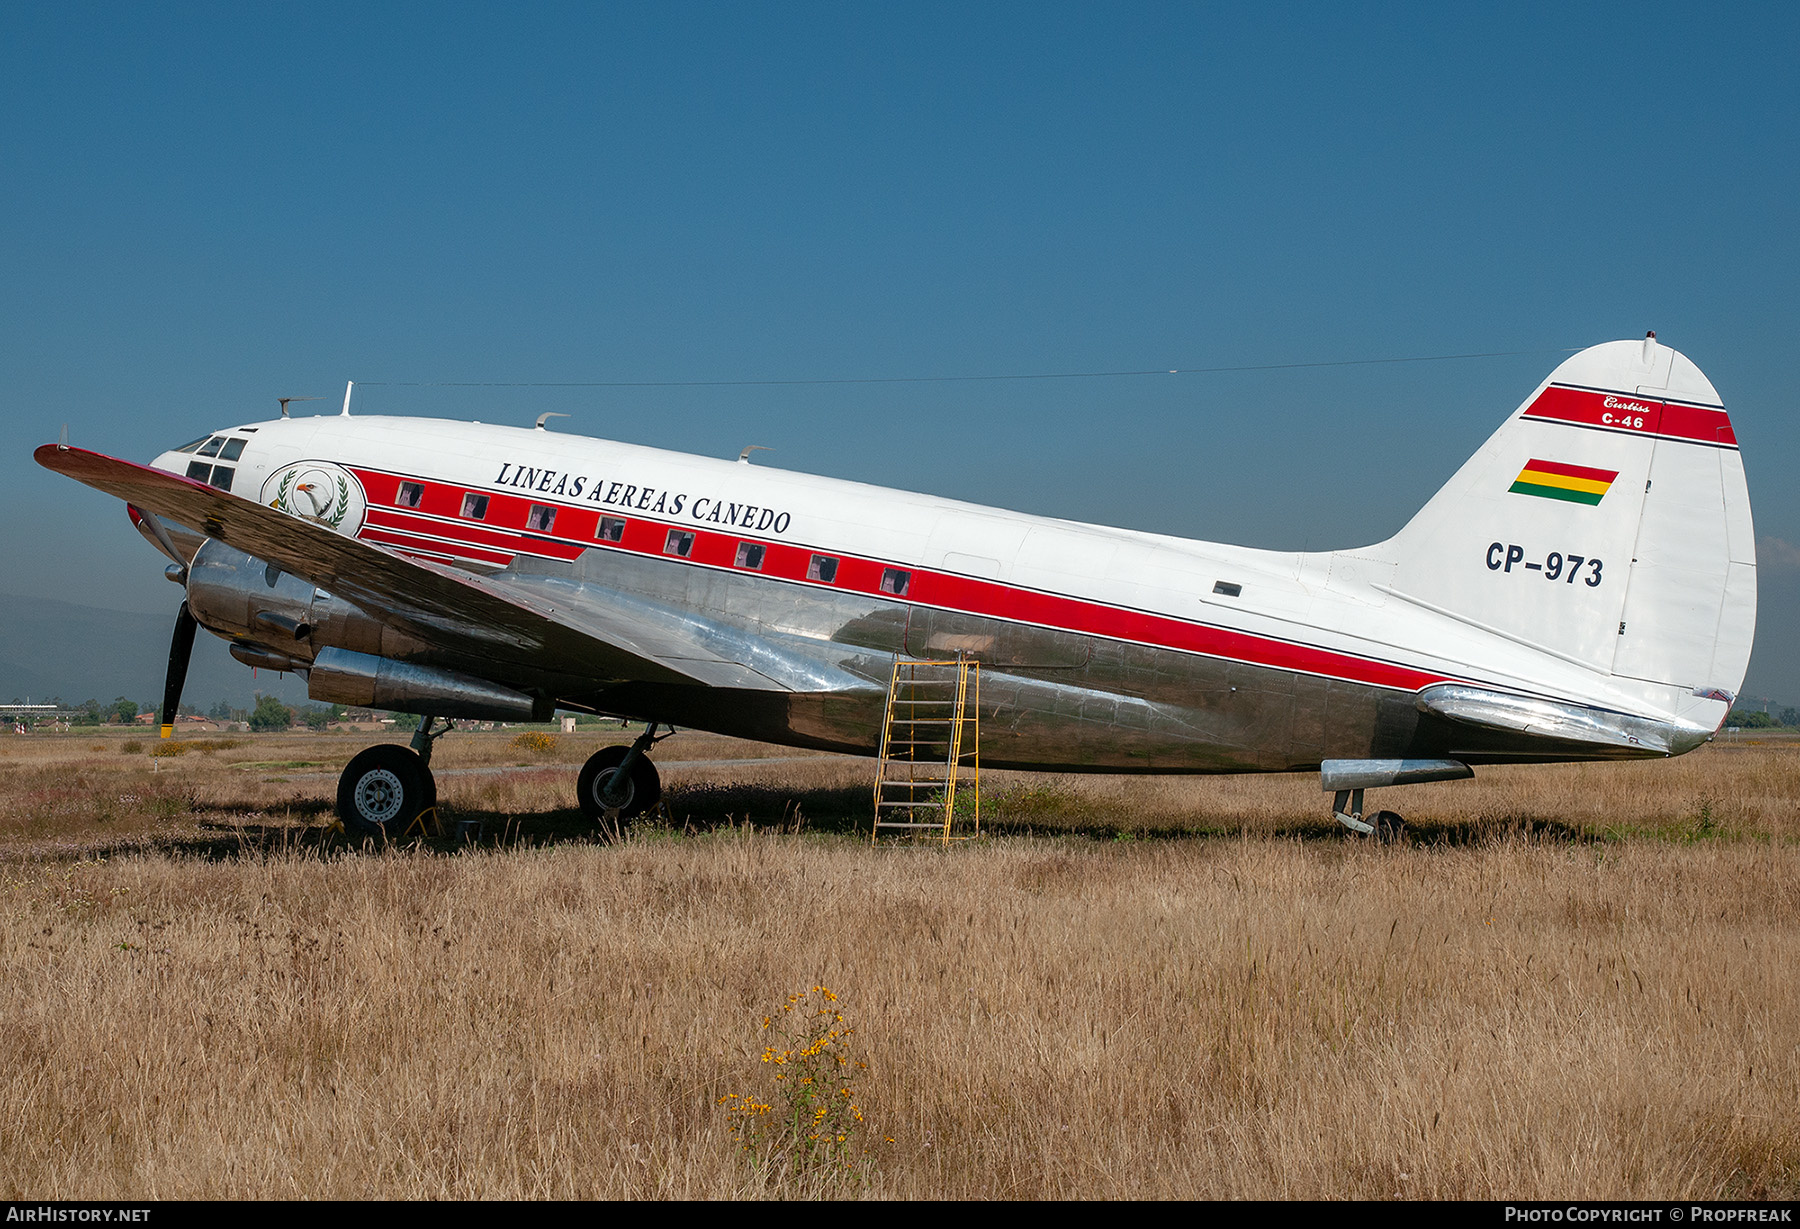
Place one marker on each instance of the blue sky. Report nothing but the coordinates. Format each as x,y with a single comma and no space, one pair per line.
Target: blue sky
208,207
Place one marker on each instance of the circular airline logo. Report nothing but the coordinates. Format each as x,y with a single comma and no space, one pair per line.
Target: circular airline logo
317,491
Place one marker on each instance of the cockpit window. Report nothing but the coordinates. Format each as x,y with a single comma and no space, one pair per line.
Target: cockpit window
212,446
233,450
192,444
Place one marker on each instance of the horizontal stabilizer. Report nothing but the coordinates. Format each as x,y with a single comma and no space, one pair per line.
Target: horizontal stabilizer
1556,719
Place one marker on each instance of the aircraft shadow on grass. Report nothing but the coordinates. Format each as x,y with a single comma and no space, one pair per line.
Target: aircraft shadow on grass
837,811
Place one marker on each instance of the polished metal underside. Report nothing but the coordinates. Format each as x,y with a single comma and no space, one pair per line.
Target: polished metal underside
810,668
1050,699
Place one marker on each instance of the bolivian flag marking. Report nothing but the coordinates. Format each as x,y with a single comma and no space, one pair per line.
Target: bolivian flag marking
1554,480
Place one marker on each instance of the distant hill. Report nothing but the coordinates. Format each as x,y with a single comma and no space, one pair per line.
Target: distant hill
50,648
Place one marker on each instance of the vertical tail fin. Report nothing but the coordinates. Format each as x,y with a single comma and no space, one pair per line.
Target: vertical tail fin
1606,522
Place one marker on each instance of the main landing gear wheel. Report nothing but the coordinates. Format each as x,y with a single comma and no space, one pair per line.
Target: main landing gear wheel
383,790
1384,826
601,789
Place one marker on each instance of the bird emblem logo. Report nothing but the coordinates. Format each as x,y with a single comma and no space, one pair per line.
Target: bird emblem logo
316,491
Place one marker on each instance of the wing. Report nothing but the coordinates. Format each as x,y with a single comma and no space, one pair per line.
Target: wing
481,617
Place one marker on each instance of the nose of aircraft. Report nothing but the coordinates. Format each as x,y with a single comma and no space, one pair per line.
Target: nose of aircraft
171,461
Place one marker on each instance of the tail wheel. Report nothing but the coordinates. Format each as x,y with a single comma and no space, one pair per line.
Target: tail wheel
383,790
639,792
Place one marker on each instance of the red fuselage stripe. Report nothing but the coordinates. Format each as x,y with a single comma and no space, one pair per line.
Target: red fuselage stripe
502,531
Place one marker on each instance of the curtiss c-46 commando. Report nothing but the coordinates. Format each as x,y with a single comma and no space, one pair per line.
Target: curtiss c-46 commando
1584,587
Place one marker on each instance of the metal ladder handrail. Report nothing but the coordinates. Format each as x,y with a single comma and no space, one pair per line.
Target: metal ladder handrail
963,722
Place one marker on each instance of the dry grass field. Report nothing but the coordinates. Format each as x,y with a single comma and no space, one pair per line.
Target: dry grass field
1568,981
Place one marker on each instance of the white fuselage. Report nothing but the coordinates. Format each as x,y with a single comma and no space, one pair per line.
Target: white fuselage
1329,617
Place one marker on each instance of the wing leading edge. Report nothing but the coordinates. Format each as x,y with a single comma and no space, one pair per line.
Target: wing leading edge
482,617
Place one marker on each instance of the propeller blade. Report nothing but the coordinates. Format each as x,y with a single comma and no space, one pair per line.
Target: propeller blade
181,646
161,535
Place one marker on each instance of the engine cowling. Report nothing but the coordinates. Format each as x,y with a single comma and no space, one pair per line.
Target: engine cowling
277,621
248,600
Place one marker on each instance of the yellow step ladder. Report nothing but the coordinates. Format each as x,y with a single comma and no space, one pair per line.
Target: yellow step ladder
930,747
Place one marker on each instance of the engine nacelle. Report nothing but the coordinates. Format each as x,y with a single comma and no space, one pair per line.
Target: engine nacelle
245,599
340,676
280,622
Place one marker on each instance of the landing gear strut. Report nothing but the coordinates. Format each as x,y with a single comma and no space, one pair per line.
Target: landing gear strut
1347,809
620,783
385,788
1346,780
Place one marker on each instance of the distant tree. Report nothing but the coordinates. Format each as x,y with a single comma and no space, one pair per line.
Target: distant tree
1790,716
125,711
220,711
1751,719
271,714
406,721
316,716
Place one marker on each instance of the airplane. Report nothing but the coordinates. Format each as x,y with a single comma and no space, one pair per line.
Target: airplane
1583,588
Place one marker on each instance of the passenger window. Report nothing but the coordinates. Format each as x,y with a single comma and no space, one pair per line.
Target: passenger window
411,494
895,581
233,450
540,518
822,568
612,528
211,447
679,542
750,555
199,471
221,477
475,507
